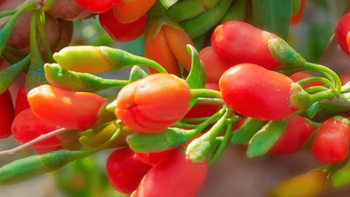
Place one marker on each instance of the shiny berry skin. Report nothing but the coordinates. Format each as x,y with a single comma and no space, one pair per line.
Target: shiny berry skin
240,42
214,65
154,103
122,32
27,127
98,6
342,31
256,92
125,170
331,144
175,175
297,132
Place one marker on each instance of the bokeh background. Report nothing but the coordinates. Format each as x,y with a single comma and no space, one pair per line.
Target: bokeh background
233,172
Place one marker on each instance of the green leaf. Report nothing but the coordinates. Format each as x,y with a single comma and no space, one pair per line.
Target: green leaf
311,112
273,16
247,131
137,73
196,78
264,139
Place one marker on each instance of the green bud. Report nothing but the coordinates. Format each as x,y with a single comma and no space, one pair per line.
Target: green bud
236,12
21,170
200,150
81,82
188,9
157,142
202,23
342,176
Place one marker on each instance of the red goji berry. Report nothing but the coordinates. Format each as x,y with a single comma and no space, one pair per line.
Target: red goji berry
154,103
175,175
331,144
257,92
125,170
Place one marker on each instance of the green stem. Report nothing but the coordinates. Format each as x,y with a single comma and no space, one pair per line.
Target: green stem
324,80
184,125
194,120
316,89
7,13
48,5
33,35
41,25
210,120
218,127
6,30
330,74
196,93
222,146
320,96
36,73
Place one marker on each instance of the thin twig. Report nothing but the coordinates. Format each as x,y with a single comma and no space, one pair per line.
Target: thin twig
38,139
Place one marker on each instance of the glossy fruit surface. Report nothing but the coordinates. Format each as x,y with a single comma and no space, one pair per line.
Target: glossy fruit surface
240,42
65,108
125,170
99,6
342,31
131,11
154,103
256,92
174,176
27,127
122,32
297,132
331,144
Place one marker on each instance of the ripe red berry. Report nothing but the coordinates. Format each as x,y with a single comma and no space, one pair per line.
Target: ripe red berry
331,144
99,6
125,170
122,32
256,92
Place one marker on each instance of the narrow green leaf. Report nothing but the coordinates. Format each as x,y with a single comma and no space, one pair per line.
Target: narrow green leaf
311,112
196,78
264,139
273,16
247,131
